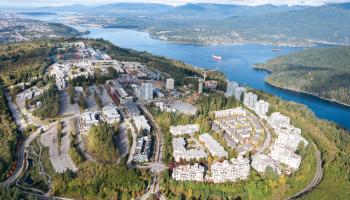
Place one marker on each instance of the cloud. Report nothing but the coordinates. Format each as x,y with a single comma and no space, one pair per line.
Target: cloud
172,2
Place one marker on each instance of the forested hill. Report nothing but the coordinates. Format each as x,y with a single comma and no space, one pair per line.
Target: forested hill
324,72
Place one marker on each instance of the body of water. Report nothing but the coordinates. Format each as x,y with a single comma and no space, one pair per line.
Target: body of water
236,63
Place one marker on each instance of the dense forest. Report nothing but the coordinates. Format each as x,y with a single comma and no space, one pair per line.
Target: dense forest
100,144
8,137
50,103
20,62
101,181
324,72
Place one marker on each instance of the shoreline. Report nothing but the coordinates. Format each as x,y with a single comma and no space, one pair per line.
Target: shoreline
201,43
308,93
298,91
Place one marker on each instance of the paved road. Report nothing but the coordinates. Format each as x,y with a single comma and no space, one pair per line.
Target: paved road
157,166
159,147
267,140
16,114
315,181
22,157
133,147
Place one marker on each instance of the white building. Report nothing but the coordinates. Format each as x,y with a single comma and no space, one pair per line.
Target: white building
169,85
277,120
141,123
88,119
164,108
180,151
110,114
225,171
146,92
189,129
261,162
230,112
238,92
250,99
290,139
188,173
261,107
213,146
231,86
285,155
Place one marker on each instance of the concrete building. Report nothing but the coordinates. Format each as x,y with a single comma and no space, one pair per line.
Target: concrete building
132,109
261,107
230,89
181,153
188,173
285,155
110,114
146,92
211,84
290,139
141,123
143,149
189,129
237,92
230,112
261,162
88,119
277,120
224,171
169,85
214,148
250,99
118,93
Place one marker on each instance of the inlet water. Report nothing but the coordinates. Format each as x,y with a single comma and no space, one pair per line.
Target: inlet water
236,63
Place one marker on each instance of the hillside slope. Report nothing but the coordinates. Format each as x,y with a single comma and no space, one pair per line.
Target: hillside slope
323,72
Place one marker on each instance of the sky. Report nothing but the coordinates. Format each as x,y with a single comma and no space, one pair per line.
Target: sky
35,3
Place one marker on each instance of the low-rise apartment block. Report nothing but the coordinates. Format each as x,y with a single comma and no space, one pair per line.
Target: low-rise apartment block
224,171
261,162
181,153
283,154
230,113
213,146
188,129
141,123
189,173
143,148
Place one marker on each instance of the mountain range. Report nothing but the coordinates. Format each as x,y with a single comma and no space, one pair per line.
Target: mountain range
225,24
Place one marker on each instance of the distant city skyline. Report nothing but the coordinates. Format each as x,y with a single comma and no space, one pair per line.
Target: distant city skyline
36,3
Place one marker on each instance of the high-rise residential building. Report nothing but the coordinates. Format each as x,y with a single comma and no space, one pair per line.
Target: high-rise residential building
146,92
169,85
230,89
261,107
237,92
200,86
250,99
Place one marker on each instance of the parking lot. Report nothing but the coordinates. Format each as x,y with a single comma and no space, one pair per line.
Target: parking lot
59,157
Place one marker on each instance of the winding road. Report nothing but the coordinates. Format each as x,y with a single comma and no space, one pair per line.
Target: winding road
22,157
315,181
